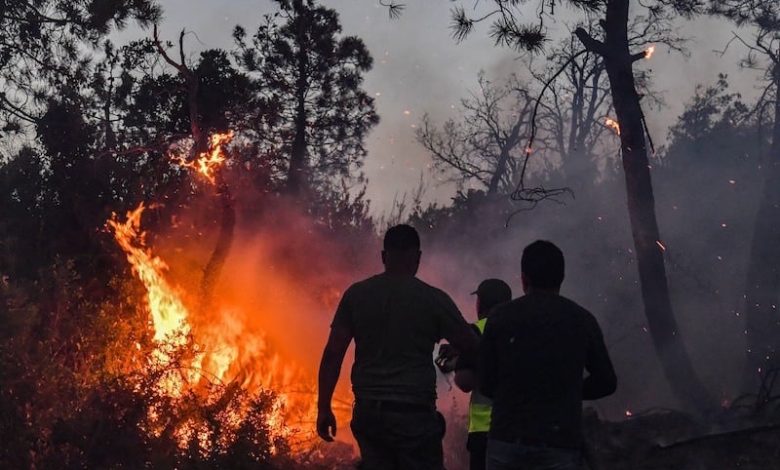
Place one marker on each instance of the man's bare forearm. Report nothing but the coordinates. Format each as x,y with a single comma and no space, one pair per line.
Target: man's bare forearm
330,369
330,365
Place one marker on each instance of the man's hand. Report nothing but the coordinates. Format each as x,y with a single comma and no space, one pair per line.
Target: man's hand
447,358
326,424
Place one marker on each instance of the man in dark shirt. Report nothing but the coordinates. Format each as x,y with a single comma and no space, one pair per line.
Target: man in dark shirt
532,359
395,320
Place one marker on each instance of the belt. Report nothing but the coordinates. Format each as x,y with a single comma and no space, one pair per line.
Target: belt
397,406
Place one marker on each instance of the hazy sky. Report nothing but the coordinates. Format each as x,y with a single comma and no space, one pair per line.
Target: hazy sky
419,68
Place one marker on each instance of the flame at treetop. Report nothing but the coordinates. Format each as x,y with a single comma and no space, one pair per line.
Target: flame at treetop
209,161
649,52
612,124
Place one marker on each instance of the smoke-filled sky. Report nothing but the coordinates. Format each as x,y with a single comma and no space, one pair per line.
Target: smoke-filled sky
419,68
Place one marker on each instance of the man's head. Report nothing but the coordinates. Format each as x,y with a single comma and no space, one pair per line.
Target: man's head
490,293
401,253
542,267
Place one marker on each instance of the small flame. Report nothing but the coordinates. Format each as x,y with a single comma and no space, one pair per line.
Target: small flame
649,52
209,161
612,124
660,245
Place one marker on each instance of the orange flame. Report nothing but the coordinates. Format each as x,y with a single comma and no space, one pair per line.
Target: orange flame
209,161
224,350
612,124
649,52
228,346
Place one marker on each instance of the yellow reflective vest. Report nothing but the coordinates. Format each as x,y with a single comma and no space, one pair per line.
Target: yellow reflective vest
480,406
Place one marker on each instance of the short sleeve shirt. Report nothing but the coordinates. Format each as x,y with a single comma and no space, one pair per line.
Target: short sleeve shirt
396,322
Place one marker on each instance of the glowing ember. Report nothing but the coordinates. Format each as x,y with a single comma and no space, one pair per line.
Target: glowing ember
660,245
649,52
207,162
612,124
629,414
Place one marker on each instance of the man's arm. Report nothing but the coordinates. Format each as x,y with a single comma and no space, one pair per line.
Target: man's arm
459,333
466,380
601,380
330,368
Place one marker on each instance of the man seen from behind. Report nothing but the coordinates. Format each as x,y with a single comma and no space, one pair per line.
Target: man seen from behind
395,320
533,356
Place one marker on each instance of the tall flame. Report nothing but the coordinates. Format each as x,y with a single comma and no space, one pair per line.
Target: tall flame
221,345
227,348
169,316
612,124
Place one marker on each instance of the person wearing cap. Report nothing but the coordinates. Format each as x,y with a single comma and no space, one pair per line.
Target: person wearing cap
532,362
395,320
490,293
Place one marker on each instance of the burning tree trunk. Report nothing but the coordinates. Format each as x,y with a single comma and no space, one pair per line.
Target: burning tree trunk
641,206
200,147
224,242
763,276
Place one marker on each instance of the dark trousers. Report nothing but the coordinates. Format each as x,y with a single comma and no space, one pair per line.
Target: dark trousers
513,456
398,440
477,447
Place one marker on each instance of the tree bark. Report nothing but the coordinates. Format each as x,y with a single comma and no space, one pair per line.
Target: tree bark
503,159
224,241
661,321
297,173
762,284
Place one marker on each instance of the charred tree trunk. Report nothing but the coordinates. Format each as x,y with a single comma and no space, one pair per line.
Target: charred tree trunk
762,286
224,241
641,208
297,174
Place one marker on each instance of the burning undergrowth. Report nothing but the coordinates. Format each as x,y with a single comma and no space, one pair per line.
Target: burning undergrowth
236,320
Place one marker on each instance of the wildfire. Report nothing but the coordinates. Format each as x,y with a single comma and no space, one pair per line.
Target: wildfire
612,124
207,162
223,349
649,52
225,346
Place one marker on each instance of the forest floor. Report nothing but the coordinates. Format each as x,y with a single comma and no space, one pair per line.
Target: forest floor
671,440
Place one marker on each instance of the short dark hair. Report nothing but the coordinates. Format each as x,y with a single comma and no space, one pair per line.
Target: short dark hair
492,292
542,264
401,238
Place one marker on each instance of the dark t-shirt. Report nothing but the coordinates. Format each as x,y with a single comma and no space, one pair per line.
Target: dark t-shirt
396,321
532,358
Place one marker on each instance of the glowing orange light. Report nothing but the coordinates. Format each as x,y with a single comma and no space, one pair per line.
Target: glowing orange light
612,124
209,161
649,52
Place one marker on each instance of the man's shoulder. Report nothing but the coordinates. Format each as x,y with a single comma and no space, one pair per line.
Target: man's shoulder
363,285
530,303
577,308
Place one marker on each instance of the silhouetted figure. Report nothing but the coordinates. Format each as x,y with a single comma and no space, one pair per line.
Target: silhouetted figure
396,320
532,359
491,293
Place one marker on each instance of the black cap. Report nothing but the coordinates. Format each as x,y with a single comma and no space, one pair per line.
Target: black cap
492,292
